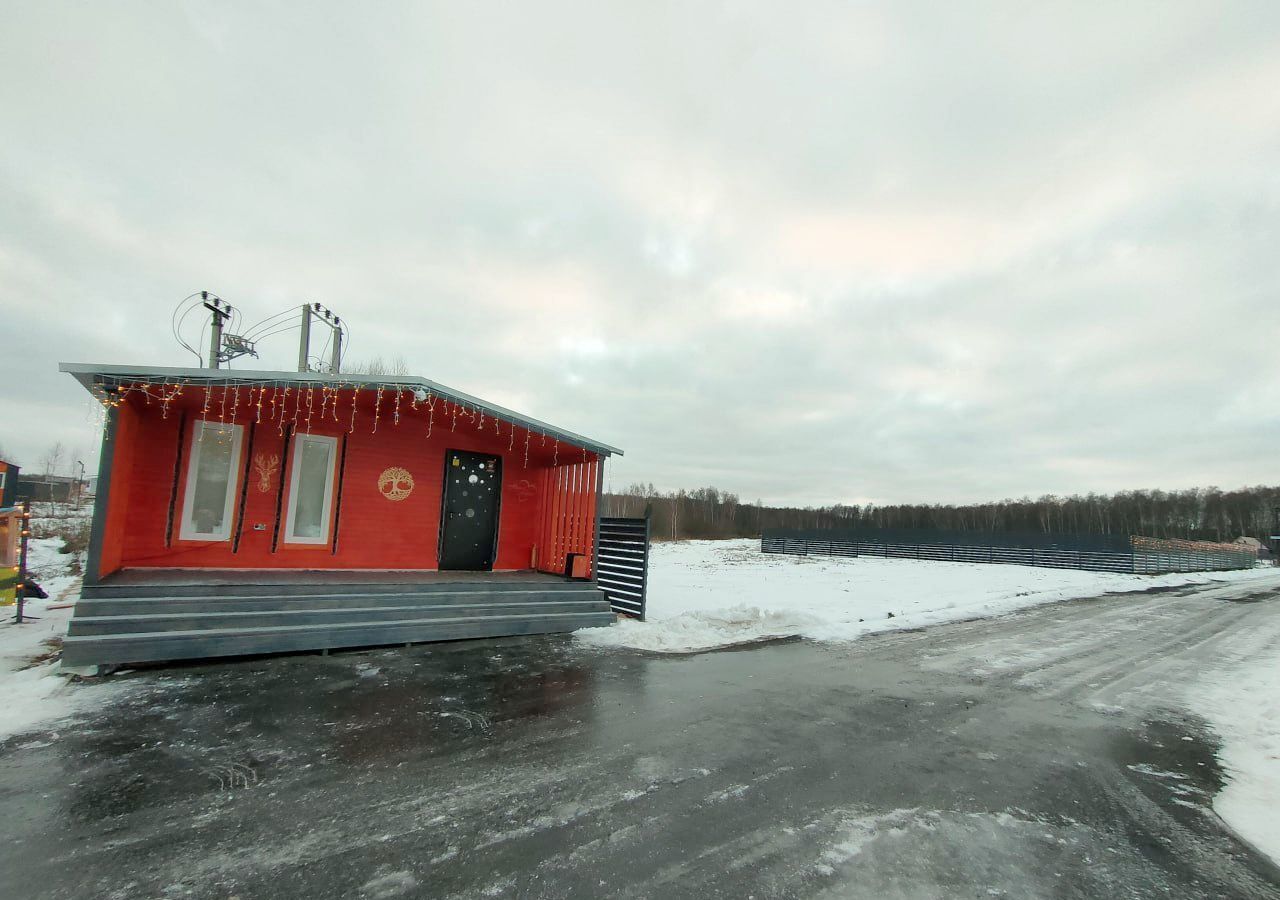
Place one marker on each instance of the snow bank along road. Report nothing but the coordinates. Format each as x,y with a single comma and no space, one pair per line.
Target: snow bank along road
708,594
1048,753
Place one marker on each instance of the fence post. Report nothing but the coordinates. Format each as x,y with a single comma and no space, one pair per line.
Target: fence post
20,594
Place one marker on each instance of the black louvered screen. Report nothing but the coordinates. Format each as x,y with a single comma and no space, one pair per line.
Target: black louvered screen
622,567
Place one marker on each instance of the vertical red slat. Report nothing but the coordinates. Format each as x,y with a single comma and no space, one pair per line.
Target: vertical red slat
581,525
571,519
571,510
580,511
570,500
594,474
566,518
571,530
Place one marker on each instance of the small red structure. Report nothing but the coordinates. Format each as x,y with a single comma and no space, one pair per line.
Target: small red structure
229,475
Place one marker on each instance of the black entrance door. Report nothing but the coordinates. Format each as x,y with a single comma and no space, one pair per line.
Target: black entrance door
469,522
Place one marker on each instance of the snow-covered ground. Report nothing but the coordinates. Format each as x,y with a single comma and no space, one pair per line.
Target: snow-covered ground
709,594
33,693
1242,704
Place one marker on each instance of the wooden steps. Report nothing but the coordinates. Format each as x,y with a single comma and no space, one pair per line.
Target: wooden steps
167,622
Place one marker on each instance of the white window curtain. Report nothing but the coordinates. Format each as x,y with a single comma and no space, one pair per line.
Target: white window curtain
311,489
212,478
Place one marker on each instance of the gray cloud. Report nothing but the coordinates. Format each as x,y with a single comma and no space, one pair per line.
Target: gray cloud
854,252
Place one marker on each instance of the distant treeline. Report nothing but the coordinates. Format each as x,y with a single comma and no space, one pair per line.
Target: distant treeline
1196,514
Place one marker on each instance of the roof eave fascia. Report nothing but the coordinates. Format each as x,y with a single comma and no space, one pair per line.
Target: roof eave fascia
89,375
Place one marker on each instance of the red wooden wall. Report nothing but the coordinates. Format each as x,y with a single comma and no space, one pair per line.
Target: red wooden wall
568,515
546,507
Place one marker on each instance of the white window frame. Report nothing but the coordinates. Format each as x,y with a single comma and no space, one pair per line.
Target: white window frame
295,472
4,473
204,430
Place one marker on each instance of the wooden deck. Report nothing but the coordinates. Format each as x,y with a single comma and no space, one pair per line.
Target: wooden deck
152,615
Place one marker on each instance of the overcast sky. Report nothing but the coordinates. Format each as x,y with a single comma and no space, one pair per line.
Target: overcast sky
803,252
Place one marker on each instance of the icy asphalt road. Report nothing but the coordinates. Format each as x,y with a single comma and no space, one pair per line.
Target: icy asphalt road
1039,755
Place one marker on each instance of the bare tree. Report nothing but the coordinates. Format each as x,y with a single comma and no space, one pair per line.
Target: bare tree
53,458
377,367
1197,514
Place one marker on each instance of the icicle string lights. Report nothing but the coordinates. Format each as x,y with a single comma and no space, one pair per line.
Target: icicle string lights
229,396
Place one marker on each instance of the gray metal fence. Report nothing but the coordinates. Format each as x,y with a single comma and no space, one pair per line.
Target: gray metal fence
1153,555
622,564
1098,553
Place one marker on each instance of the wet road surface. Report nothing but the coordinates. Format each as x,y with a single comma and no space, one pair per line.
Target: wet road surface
1043,754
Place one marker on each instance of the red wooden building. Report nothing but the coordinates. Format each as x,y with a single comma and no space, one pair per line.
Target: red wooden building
265,511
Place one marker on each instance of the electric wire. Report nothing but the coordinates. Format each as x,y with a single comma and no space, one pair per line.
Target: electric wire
269,321
269,326
176,322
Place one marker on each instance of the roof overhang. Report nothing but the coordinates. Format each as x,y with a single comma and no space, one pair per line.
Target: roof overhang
94,377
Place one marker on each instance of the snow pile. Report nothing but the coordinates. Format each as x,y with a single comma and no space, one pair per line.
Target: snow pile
709,594
33,693
703,630
1242,704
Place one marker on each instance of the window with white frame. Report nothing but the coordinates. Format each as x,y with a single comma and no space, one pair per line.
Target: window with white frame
311,489
212,470
3,474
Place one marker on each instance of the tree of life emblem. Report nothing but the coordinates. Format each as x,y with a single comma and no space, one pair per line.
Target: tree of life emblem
395,483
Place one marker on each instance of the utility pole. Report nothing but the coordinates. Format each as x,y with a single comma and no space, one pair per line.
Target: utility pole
335,364
220,315
325,317
304,339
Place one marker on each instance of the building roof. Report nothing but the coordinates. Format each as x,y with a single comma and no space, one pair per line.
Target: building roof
95,377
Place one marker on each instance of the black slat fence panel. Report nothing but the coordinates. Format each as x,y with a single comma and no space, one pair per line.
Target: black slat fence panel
622,564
